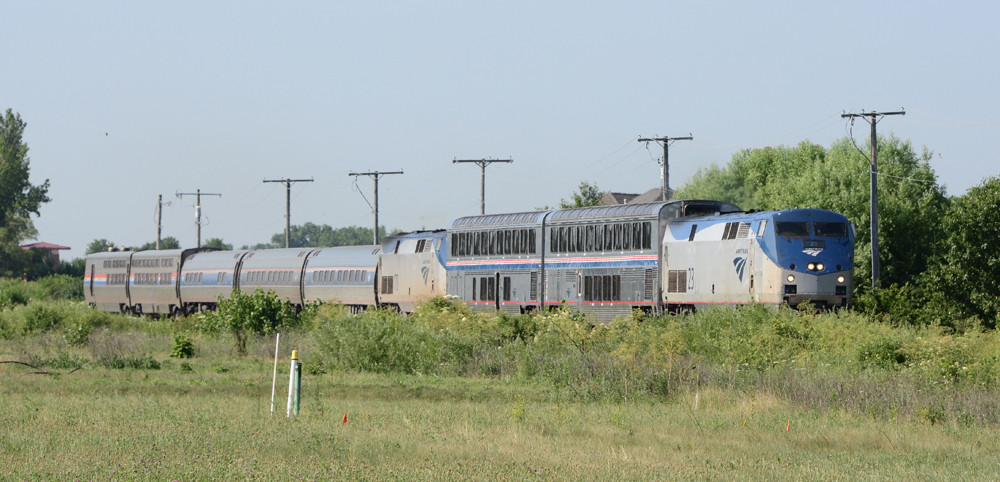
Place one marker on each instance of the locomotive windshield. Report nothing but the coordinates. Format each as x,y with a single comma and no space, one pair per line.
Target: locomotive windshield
792,230
830,230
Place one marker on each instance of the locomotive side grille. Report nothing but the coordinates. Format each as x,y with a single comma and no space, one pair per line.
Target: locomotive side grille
744,231
677,281
570,275
533,294
736,230
387,285
648,284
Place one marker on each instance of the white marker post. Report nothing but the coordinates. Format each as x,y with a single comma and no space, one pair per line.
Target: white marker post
274,378
292,385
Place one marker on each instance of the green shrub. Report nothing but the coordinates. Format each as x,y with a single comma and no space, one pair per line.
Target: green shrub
243,314
121,362
881,352
77,332
61,287
40,317
185,367
65,361
383,342
13,293
183,347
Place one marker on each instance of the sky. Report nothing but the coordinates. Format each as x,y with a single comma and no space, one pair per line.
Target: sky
125,101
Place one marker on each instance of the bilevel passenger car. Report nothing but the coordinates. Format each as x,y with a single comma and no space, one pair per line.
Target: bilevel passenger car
603,260
769,257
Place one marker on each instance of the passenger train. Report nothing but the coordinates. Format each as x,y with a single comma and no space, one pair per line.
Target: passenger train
605,261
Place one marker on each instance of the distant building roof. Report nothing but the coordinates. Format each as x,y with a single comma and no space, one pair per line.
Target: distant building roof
43,245
610,198
651,196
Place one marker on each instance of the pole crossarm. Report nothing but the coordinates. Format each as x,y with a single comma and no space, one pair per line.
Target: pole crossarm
482,163
375,175
872,118
288,203
666,142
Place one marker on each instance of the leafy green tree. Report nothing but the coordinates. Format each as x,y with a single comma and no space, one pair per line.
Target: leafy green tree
314,236
76,267
217,243
586,195
719,184
967,270
19,199
168,242
99,246
911,203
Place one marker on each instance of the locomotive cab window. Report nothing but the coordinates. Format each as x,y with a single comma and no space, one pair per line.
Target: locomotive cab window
830,230
792,230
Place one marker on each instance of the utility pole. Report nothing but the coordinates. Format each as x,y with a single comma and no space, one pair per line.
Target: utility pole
872,118
197,207
159,218
375,175
666,142
482,163
288,203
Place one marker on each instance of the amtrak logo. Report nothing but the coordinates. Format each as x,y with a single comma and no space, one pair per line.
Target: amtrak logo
740,263
425,271
812,251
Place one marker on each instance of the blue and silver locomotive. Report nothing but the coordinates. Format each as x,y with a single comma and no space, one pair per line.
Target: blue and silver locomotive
769,257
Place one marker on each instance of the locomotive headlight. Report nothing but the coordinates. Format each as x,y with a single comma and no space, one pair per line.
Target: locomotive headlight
811,266
840,279
819,267
791,278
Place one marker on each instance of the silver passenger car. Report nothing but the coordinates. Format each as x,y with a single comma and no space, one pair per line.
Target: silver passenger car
152,281
342,275
105,284
206,276
278,270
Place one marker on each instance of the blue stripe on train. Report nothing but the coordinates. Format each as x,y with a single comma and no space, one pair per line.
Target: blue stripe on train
554,264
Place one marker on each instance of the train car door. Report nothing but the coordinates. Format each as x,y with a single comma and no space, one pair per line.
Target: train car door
498,291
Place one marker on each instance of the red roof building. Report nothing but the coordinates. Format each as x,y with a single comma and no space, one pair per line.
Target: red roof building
53,250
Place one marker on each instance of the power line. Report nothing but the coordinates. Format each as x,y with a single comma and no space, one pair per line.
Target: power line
872,118
375,175
288,203
482,163
666,142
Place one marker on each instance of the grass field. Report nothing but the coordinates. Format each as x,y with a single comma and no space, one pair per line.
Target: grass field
213,422
446,394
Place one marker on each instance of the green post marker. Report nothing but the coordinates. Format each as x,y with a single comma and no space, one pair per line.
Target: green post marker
298,387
